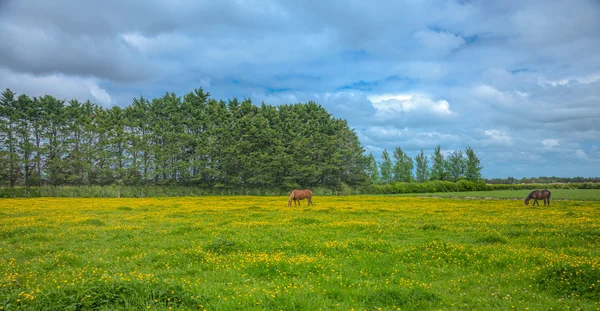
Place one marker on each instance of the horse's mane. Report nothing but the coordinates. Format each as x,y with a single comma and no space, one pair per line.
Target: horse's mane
530,196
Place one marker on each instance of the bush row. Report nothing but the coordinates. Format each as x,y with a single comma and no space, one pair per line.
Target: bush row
585,185
465,185
141,191
169,191
429,187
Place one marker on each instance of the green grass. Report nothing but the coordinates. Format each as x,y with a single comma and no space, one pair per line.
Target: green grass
254,253
557,194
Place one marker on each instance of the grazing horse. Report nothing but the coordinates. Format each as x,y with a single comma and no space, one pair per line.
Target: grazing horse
536,195
298,195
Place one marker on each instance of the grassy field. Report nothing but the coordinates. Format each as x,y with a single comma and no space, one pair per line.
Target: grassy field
557,194
254,253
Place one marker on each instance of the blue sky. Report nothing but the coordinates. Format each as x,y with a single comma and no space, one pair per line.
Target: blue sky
518,81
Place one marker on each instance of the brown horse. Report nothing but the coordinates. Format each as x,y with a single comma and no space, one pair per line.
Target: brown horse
536,195
298,195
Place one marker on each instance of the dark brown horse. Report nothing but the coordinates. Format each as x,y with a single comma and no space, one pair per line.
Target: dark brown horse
536,195
298,195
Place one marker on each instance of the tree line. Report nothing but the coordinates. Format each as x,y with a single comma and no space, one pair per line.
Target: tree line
456,166
193,140
542,180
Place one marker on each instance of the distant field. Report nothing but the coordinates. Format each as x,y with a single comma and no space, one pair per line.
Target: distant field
254,253
557,194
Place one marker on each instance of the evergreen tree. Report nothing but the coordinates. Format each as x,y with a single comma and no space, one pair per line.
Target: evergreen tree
197,141
473,167
438,165
456,165
8,127
386,167
23,108
373,169
55,133
403,167
422,167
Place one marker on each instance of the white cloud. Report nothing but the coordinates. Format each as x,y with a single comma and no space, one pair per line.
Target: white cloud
389,104
57,85
491,94
550,143
580,154
586,79
386,133
498,137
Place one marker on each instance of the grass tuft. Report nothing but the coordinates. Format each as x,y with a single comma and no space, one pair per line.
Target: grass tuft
92,222
571,281
221,245
492,239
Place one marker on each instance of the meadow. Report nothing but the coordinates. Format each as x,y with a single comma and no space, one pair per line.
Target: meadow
255,253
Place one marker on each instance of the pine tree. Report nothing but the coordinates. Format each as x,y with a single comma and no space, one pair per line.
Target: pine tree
403,167
23,108
438,166
199,141
373,169
473,167
55,133
8,127
422,168
386,167
456,165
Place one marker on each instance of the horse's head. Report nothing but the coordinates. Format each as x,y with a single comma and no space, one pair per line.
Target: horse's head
526,202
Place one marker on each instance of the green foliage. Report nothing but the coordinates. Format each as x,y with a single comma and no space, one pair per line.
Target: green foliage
543,186
456,165
438,165
403,166
177,141
386,167
9,117
473,165
428,187
422,167
373,169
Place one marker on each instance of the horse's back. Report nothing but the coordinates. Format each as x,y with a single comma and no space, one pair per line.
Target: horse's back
301,194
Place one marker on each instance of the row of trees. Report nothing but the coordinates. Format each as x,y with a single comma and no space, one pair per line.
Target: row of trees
172,140
456,166
542,180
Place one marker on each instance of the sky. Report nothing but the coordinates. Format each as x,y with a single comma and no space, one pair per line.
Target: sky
517,81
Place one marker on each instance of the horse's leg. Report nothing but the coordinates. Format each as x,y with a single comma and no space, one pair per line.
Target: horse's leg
535,201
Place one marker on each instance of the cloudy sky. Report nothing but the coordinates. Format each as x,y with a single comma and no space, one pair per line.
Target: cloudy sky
517,80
